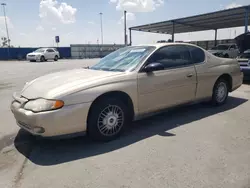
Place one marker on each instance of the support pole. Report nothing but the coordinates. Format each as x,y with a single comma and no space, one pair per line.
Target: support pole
101,26
246,19
173,32
125,28
130,37
215,37
7,31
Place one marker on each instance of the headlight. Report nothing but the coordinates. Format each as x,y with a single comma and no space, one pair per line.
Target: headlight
40,105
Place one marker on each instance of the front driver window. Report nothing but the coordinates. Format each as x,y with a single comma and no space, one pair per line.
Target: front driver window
172,56
233,47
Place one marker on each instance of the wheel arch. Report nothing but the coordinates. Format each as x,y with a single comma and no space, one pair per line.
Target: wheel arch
228,78
123,96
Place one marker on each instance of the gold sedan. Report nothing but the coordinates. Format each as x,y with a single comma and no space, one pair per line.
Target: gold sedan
121,87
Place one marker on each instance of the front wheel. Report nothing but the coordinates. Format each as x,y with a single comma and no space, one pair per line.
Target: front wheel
220,92
42,59
107,119
56,58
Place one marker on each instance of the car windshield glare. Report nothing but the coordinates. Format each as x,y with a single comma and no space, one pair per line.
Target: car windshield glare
124,59
40,50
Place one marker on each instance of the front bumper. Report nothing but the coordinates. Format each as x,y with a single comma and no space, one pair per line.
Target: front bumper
67,120
246,72
33,58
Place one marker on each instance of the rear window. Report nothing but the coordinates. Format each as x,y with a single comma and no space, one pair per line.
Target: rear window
198,55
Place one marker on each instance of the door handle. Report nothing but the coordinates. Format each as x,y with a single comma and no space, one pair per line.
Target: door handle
190,75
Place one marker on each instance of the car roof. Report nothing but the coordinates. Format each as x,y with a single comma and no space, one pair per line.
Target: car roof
47,48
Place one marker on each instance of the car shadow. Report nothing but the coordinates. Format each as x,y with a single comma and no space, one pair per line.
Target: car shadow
48,152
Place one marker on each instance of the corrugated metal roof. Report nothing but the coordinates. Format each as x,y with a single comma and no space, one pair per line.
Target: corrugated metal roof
215,20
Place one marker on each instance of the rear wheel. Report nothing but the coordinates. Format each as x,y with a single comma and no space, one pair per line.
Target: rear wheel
42,58
107,119
220,92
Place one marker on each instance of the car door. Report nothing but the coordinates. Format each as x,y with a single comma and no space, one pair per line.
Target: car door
50,54
204,73
174,85
233,51
236,51
47,54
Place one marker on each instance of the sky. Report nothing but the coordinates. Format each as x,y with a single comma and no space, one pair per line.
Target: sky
35,23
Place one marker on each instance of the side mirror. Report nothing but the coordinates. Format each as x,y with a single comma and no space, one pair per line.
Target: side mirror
153,67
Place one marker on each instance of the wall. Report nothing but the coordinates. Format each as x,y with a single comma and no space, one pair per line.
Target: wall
82,51
210,43
20,53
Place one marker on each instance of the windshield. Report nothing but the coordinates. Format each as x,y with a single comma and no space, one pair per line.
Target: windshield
220,47
124,59
246,54
40,50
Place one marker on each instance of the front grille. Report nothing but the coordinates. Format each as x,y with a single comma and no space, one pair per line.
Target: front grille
244,65
31,55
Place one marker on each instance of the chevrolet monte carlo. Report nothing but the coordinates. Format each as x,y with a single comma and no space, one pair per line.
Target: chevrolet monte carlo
129,83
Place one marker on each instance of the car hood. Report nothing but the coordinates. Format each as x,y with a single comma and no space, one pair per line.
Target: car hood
59,84
34,53
216,51
243,59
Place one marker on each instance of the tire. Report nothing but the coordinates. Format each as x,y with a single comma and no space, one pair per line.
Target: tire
42,58
56,58
220,92
226,56
103,123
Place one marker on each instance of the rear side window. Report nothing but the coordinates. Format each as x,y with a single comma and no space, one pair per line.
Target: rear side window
198,55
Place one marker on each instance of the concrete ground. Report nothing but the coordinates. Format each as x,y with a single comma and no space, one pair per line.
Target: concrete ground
13,76
193,146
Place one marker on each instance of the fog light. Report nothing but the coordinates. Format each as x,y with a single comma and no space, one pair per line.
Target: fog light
38,130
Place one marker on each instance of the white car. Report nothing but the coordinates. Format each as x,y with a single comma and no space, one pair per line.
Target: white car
43,54
225,50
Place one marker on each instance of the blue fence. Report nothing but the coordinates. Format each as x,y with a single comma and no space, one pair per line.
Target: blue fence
20,53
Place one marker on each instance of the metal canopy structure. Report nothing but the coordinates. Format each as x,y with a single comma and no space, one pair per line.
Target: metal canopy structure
228,18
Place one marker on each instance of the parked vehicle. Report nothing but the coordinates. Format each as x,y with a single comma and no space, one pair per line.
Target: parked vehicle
43,54
125,85
244,61
225,50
